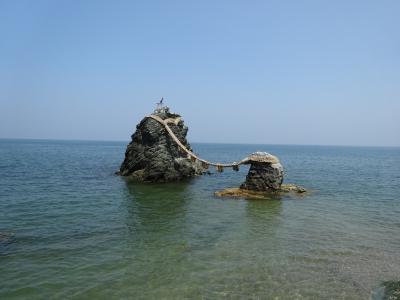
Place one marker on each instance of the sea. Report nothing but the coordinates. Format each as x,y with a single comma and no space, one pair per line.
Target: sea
72,229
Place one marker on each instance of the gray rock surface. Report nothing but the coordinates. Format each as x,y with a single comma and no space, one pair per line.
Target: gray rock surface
153,156
265,173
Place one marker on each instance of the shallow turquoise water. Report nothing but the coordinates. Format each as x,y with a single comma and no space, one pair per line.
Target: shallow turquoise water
71,229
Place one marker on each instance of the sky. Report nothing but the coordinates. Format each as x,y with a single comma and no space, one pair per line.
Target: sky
264,72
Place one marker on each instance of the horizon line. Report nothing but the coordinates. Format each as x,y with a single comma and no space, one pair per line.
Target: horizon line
194,142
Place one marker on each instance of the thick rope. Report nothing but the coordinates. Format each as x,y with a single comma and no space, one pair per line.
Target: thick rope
193,156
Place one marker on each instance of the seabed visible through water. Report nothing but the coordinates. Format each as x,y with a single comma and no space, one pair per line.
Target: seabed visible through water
77,231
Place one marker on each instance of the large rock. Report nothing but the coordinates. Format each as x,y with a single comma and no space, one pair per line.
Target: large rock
153,156
265,173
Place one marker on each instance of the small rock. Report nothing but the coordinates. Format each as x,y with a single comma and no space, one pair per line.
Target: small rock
265,173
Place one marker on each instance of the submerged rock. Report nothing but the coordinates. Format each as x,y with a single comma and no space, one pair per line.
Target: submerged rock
391,290
285,189
265,173
6,237
288,187
153,156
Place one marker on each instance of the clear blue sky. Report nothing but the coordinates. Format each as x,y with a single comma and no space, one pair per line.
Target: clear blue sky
273,72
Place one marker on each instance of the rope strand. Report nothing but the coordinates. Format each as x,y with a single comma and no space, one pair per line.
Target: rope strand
193,156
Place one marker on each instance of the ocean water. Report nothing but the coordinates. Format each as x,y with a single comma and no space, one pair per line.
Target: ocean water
71,229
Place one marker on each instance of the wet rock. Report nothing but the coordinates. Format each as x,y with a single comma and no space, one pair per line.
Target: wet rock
285,190
265,173
153,156
263,181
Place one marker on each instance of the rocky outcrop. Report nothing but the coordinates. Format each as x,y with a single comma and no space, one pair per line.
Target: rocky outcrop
153,156
263,181
159,152
265,173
